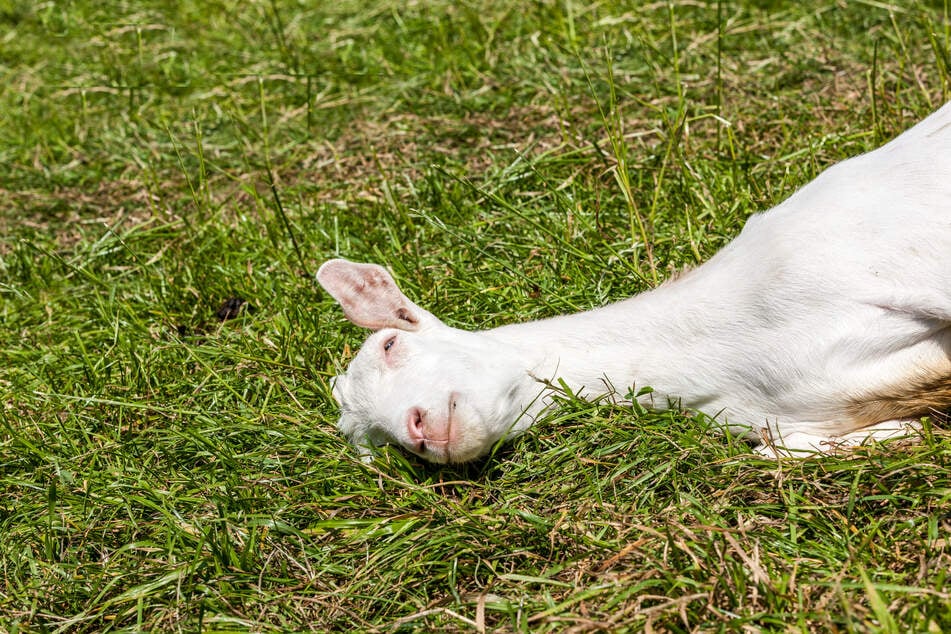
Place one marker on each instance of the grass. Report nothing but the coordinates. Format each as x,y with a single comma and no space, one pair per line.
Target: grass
164,470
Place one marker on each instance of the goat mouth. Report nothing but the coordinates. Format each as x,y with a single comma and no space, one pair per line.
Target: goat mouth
434,450
440,449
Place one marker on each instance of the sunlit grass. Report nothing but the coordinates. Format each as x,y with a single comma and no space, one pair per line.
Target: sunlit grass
166,470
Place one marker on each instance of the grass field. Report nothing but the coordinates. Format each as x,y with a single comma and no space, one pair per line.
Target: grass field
163,469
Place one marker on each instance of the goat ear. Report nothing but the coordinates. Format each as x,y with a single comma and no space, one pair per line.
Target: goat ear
369,296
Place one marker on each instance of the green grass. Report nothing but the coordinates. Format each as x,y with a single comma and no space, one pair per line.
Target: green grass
163,470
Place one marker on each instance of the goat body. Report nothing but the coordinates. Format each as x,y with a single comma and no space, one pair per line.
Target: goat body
827,321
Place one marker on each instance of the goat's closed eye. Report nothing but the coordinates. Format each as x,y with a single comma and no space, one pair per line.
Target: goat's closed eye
389,344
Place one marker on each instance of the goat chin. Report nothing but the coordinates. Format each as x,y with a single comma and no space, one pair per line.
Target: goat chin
825,323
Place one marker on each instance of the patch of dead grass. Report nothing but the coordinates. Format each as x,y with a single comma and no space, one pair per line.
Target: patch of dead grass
380,153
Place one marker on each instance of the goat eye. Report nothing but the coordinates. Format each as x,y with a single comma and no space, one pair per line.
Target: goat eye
389,344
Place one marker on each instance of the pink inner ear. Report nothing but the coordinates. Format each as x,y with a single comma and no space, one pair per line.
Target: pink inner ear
368,295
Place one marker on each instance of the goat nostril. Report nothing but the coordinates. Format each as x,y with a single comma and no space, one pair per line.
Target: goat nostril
416,418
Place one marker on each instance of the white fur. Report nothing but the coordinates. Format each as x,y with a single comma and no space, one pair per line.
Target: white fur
841,290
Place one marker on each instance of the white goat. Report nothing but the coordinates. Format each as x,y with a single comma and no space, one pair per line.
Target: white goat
826,322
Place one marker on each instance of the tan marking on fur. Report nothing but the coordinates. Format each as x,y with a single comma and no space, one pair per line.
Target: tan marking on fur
924,395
